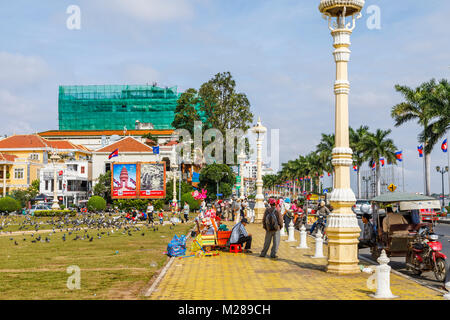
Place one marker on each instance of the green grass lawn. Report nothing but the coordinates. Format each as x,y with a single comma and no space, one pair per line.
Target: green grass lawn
38,270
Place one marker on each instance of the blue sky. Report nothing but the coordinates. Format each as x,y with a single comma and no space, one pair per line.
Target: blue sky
279,52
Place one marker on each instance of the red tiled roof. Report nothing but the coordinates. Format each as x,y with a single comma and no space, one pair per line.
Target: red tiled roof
34,141
171,143
23,141
7,157
127,144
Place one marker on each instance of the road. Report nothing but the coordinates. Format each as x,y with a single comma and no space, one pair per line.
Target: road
397,263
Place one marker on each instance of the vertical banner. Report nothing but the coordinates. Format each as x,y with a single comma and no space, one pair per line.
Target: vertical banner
152,180
124,181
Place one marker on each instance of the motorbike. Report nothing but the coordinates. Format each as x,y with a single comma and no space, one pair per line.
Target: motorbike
424,254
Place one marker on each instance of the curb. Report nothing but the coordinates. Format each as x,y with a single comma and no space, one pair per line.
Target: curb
164,271
399,273
444,221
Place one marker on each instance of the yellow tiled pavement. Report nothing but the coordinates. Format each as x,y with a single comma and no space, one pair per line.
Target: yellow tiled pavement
293,276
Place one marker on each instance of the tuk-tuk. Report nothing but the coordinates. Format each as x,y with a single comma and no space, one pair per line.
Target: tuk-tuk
395,238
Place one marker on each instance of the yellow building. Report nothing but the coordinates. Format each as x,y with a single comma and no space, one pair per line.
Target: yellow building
23,156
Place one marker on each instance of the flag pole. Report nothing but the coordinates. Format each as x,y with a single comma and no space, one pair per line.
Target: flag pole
403,175
448,173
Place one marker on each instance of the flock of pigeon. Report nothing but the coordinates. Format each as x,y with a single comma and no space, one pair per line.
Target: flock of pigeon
76,228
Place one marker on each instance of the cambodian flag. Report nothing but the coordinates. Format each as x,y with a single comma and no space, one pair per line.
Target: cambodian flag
113,154
116,182
420,149
399,155
382,162
444,146
329,174
355,168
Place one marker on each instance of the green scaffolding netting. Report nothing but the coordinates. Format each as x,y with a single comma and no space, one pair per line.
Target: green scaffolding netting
112,107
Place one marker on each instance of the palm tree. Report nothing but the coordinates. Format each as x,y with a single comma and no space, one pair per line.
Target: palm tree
416,107
375,146
325,150
358,153
440,111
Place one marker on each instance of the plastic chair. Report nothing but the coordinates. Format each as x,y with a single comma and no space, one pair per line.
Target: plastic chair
236,248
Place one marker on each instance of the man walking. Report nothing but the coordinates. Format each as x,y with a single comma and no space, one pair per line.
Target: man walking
150,210
272,223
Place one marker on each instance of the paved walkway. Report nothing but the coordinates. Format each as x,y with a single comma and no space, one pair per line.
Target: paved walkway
295,275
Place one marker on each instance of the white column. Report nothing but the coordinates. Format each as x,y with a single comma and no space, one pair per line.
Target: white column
4,181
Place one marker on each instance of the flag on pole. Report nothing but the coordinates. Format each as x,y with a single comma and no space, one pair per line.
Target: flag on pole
420,149
382,162
444,146
374,165
329,174
155,150
355,168
113,154
399,155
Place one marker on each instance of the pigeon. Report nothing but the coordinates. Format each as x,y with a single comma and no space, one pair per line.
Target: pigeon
15,242
142,234
92,238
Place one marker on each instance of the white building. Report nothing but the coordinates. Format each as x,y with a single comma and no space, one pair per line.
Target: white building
73,181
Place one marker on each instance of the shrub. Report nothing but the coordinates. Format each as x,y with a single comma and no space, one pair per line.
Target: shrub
54,213
8,204
193,204
96,203
158,204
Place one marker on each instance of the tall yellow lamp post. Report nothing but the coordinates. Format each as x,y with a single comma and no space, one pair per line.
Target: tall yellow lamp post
342,227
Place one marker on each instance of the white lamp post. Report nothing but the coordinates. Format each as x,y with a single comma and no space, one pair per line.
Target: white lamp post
241,159
55,158
342,228
259,130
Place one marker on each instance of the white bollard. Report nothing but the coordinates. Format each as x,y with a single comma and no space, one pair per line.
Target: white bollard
303,243
291,232
282,231
383,278
319,246
447,286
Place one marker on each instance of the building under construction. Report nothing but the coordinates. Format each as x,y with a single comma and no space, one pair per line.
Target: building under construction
116,107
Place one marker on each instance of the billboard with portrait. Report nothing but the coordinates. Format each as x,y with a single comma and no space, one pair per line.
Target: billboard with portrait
152,180
124,182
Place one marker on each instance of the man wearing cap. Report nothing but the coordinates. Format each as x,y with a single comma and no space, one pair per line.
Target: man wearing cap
272,234
239,235
322,212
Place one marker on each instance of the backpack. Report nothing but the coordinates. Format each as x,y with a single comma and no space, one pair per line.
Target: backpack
271,221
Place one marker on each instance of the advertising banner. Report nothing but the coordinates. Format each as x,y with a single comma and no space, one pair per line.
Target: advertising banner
124,181
152,180
138,180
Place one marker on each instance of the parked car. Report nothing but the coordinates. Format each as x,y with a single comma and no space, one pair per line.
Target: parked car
38,207
357,207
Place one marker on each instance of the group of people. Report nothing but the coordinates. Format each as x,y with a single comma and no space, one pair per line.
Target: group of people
278,214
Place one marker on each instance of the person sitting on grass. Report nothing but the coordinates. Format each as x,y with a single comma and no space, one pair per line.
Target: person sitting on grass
239,235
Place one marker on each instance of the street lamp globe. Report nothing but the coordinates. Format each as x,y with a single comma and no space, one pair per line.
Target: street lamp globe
438,169
336,8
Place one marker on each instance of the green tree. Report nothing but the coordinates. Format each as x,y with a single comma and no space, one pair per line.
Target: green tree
439,101
186,112
8,204
103,187
185,187
359,157
193,204
215,176
377,145
96,203
417,107
152,139
23,196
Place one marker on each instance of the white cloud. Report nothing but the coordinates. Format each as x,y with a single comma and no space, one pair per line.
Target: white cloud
140,74
152,10
19,71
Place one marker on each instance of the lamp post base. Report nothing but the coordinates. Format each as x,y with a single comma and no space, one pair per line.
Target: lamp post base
343,250
56,206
